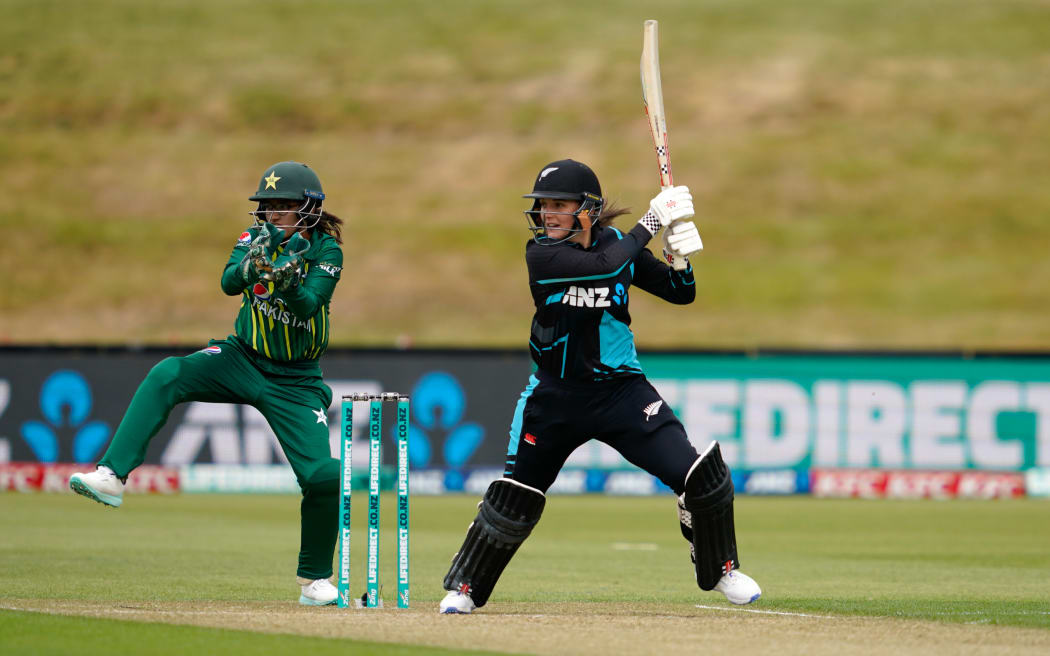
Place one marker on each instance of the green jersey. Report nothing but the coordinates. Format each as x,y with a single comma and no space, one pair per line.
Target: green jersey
291,326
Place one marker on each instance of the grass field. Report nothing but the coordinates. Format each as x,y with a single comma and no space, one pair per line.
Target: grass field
600,575
868,172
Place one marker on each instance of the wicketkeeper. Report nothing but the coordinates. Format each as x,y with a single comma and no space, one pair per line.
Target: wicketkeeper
285,268
588,383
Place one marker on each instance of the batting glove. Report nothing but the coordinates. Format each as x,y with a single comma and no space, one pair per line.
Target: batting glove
672,205
683,239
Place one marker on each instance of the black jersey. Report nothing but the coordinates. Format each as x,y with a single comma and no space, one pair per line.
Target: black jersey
581,329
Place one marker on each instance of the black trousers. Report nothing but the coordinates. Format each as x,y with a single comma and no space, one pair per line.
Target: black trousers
555,417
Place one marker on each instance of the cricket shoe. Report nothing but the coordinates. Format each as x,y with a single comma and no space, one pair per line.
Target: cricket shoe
457,602
739,588
101,485
317,592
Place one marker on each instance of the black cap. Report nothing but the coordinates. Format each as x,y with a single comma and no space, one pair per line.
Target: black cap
566,179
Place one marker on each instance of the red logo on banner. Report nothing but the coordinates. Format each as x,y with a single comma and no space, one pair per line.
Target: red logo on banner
897,484
40,477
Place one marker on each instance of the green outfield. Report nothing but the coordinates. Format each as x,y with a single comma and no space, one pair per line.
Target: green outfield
867,172
215,574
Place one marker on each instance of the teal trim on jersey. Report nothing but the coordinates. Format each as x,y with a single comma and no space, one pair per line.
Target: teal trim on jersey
564,339
616,344
596,277
619,235
519,413
554,298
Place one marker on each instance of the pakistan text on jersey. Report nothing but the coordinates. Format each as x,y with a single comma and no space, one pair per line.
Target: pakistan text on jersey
279,314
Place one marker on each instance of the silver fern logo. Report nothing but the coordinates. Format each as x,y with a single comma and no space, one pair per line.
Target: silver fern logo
652,409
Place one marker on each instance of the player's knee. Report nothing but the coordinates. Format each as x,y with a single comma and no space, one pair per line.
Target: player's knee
164,374
324,481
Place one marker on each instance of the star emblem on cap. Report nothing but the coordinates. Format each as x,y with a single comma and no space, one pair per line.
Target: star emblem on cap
271,181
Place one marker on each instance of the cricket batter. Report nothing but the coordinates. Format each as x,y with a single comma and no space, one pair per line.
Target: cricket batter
588,383
285,268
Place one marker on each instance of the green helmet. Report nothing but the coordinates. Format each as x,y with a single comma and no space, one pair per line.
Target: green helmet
289,180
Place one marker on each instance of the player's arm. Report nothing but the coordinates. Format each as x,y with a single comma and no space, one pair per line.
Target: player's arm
549,265
660,280
552,264
307,295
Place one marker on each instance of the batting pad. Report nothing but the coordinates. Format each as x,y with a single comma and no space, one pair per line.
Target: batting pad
708,498
506,516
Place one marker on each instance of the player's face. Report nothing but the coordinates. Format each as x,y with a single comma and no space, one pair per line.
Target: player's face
282,213
558,217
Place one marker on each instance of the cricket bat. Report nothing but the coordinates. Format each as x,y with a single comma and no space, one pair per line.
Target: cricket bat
653,100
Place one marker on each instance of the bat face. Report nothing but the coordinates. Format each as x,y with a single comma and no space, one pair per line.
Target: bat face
653,99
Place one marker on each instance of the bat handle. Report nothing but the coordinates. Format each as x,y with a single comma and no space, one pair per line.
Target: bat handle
677,263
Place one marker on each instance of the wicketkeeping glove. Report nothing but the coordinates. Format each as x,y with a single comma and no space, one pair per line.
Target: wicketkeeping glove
288,269
670,205
257,263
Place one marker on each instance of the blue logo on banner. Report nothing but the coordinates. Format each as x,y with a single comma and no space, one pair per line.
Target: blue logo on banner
438,405
65,401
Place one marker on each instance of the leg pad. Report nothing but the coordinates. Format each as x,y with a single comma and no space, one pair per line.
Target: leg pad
506,516
708,505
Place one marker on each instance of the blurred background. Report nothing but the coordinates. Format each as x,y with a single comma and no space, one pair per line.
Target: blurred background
868,174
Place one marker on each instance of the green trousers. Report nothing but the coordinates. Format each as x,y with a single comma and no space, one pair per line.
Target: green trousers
295,403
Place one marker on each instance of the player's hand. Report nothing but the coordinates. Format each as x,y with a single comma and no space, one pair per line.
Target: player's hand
287,272
297,245
683,239
672,205
258,262
274,236
288,269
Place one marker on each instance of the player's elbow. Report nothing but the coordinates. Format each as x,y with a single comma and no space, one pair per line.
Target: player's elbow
231,288
684,295
303,310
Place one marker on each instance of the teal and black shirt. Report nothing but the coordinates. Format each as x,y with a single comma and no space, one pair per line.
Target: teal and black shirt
292,326
581,329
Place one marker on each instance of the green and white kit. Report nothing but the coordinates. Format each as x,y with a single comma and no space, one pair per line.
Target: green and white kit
271,363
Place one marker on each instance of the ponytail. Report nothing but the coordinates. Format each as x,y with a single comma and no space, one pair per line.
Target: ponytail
609,214
332,225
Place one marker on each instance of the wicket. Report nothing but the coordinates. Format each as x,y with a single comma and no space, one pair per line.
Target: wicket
372,598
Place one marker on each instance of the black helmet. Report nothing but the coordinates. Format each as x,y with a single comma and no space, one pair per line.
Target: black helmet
565,179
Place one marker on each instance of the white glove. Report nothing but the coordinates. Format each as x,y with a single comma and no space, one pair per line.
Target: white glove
681,240
672,205
669,205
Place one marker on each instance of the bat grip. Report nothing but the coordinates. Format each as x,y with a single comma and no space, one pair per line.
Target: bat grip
677,263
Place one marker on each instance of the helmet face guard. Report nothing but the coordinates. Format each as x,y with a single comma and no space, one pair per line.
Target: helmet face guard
308,214
564,179
589,204
290,181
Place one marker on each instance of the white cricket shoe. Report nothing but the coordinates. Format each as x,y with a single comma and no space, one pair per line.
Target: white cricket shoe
739,588
101,485
317,592
457,603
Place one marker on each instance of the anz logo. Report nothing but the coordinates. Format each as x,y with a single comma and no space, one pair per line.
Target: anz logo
586,297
